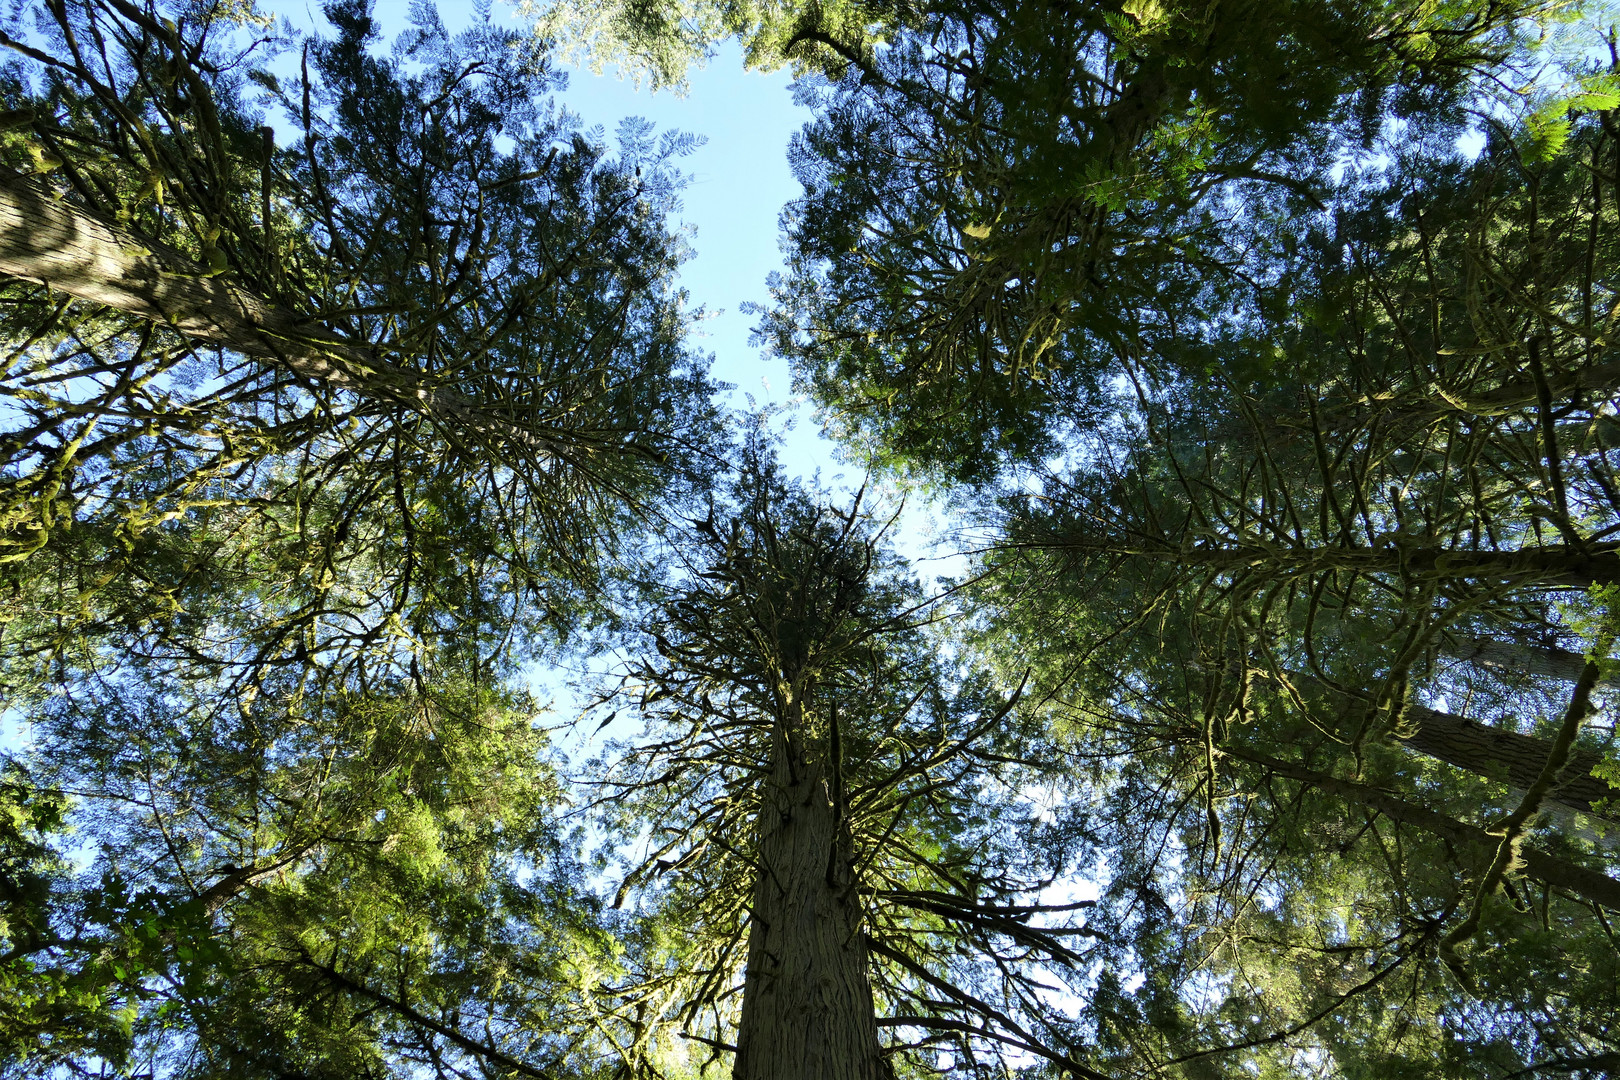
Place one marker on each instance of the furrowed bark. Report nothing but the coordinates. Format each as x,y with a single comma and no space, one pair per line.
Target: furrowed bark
1492,752
1589,885
68,248
1555,565
807,1009
1512,829
1521,393
1515,658
1489,751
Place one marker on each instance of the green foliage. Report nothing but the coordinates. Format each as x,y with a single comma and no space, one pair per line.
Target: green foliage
1242,590
325,887
264,623
81,953
1294,407
660,40
437,210
1024,202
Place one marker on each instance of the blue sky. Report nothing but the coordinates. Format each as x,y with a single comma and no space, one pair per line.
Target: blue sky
740,182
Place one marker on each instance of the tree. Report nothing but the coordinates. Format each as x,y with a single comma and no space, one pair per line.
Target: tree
1283,900
1242,588
1023,200
314,447
309,447
836,830
660,41
324,886
1309,532
439,374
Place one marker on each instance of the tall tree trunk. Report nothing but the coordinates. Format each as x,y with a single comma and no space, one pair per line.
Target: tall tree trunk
1489,751
1602,378
807,1010
1588,884
1558,565
1551,564
65,246
1507,755
1516,658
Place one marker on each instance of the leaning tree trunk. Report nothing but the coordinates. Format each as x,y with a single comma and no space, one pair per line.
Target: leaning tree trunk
55,242
1514,658
1507,755
1491,752
807,1010
58,243
1559,566
1588,884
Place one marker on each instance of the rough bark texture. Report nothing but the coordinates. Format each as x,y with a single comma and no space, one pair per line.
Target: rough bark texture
1601,378
60,244
1588,884
1549,566
807,1009
1492,752
1513,658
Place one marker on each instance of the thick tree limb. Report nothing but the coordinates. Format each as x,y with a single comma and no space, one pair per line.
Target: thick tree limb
1516,657
472,1046
1589,885
1513,828
1488,751
62,245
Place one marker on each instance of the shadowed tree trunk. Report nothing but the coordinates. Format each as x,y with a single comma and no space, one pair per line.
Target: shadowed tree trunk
1514,658
1548,566
807,1009
1488,751
1507,755
59,244
1588,884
